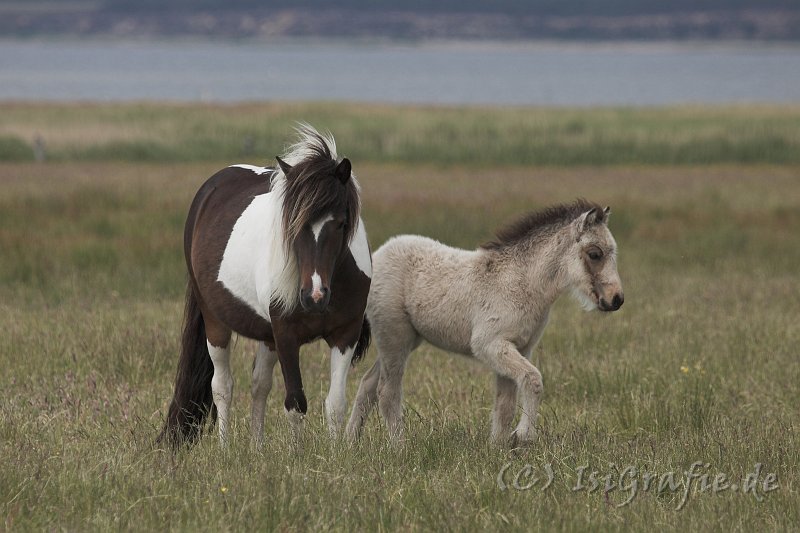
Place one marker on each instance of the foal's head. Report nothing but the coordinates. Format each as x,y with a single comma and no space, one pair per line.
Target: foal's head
592,262
320,213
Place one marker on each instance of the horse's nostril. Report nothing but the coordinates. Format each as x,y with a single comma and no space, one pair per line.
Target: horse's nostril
618,301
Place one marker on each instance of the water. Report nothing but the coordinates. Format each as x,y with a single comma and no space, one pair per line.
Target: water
452,73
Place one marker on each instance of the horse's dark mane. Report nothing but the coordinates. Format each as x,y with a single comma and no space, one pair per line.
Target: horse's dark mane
313,191
533,223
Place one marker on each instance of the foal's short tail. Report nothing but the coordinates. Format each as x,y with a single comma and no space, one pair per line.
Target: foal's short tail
363,341
192,402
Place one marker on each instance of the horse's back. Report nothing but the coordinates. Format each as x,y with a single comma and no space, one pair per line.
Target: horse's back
428,283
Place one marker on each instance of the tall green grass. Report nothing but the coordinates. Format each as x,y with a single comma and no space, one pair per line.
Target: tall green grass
438,135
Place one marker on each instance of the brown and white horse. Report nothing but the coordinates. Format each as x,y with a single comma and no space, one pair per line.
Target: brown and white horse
280,256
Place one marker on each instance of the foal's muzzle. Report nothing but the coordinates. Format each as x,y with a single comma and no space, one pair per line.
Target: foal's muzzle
616,302
315,300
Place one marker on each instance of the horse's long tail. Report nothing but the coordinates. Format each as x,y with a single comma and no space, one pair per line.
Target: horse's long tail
363,341
192,402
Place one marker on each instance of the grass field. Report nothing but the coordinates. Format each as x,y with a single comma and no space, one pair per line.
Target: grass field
701,364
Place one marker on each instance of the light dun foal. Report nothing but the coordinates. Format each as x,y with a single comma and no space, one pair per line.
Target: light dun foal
492,303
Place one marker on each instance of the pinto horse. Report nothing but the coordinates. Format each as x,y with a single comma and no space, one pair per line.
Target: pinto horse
280,256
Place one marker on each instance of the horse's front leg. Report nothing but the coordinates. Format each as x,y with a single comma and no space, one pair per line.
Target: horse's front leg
295,402
336,401
262,384
343,346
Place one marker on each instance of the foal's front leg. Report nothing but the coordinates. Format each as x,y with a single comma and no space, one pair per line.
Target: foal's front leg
504,358
505,403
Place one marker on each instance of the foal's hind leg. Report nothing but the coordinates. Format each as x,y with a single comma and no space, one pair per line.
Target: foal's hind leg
366,399
262,383
393,356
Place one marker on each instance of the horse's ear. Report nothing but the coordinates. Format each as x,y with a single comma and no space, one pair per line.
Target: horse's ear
343,170
285,167
606,212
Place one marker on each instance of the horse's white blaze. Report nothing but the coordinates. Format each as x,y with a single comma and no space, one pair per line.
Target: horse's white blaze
316,287
336,401
255,267
254,168
221,386
359,247
316,228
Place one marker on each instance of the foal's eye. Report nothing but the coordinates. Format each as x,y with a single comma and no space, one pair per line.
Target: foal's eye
342,224
595,255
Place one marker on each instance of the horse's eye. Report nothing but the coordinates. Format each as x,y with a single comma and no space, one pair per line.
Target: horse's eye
595,255
342,224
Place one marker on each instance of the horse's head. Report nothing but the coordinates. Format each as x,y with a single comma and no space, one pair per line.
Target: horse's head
593,264
323,213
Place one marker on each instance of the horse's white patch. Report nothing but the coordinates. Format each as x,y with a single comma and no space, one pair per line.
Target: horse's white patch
257,170
316,228
255,267
359,247
316,281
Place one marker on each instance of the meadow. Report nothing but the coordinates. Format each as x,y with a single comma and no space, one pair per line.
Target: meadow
700,365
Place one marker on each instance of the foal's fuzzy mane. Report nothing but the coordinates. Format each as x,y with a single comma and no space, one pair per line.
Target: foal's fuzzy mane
532,224
312,191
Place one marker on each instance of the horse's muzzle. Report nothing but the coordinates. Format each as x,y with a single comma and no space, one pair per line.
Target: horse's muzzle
315,300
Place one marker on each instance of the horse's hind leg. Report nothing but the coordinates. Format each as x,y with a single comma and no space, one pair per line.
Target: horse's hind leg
218,339
365,401
262,383
504,405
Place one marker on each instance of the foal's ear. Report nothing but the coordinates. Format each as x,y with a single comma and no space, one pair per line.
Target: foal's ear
285,167
343,170
586,220
606,212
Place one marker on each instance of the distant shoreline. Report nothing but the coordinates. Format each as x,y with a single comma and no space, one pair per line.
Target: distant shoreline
17,20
